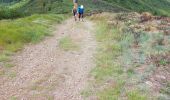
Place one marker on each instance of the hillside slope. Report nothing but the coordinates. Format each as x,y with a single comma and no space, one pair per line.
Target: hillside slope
44,6
65,6
20,8
157,7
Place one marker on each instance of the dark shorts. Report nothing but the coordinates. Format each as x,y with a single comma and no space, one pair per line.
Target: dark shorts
81,15
74,13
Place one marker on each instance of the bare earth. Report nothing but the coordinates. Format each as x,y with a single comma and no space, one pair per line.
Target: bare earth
44,71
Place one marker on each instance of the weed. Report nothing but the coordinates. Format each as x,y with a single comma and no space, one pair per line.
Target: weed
86,93
2,72
25,30
37,88
130,72
163,62
13,98
9,65
119,59
12,74
136,95
67,43
112,93
4,58
163,97
166,90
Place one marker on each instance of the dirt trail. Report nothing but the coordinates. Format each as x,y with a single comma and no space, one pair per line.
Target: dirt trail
44,71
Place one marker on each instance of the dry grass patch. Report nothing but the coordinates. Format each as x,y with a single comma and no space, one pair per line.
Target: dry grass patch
66,43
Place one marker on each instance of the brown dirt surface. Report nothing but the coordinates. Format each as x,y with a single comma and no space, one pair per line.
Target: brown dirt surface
44,71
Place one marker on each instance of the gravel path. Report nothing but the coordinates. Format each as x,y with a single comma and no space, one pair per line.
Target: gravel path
45,71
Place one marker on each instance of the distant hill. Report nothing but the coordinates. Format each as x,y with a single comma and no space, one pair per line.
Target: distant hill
157,7
65,6
47,6
19,8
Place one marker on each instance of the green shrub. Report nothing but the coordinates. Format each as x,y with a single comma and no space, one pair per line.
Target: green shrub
6,13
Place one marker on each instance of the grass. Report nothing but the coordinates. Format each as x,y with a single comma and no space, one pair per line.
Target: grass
22,8
15,33
163,62
66,43
19,4
41,90
28,7
112,93
130,71
100,5
2,72
107,67
166,89
116,75
136,95
50,6
4,58
9,65
9,9
108,51
42,96
12,74
13,98
155,7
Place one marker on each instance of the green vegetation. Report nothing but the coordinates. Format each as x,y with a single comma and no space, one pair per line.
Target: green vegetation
106,65
135,95
19,4
117,60
6,13
20,8
4,58
157,7
10,9
28,7
113,92
100,5
67,43
47,6
12,74
9,65
13,98
15,33
115,74
166,90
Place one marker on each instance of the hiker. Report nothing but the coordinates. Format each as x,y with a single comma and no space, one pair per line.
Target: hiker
81,12
75,2
74,11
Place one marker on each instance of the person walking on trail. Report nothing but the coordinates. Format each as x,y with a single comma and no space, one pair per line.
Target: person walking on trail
74,11
75,2
81,12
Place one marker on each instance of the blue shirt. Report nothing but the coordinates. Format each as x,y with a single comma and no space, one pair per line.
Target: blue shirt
80,10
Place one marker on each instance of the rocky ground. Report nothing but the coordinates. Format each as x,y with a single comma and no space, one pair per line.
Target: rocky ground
46,71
